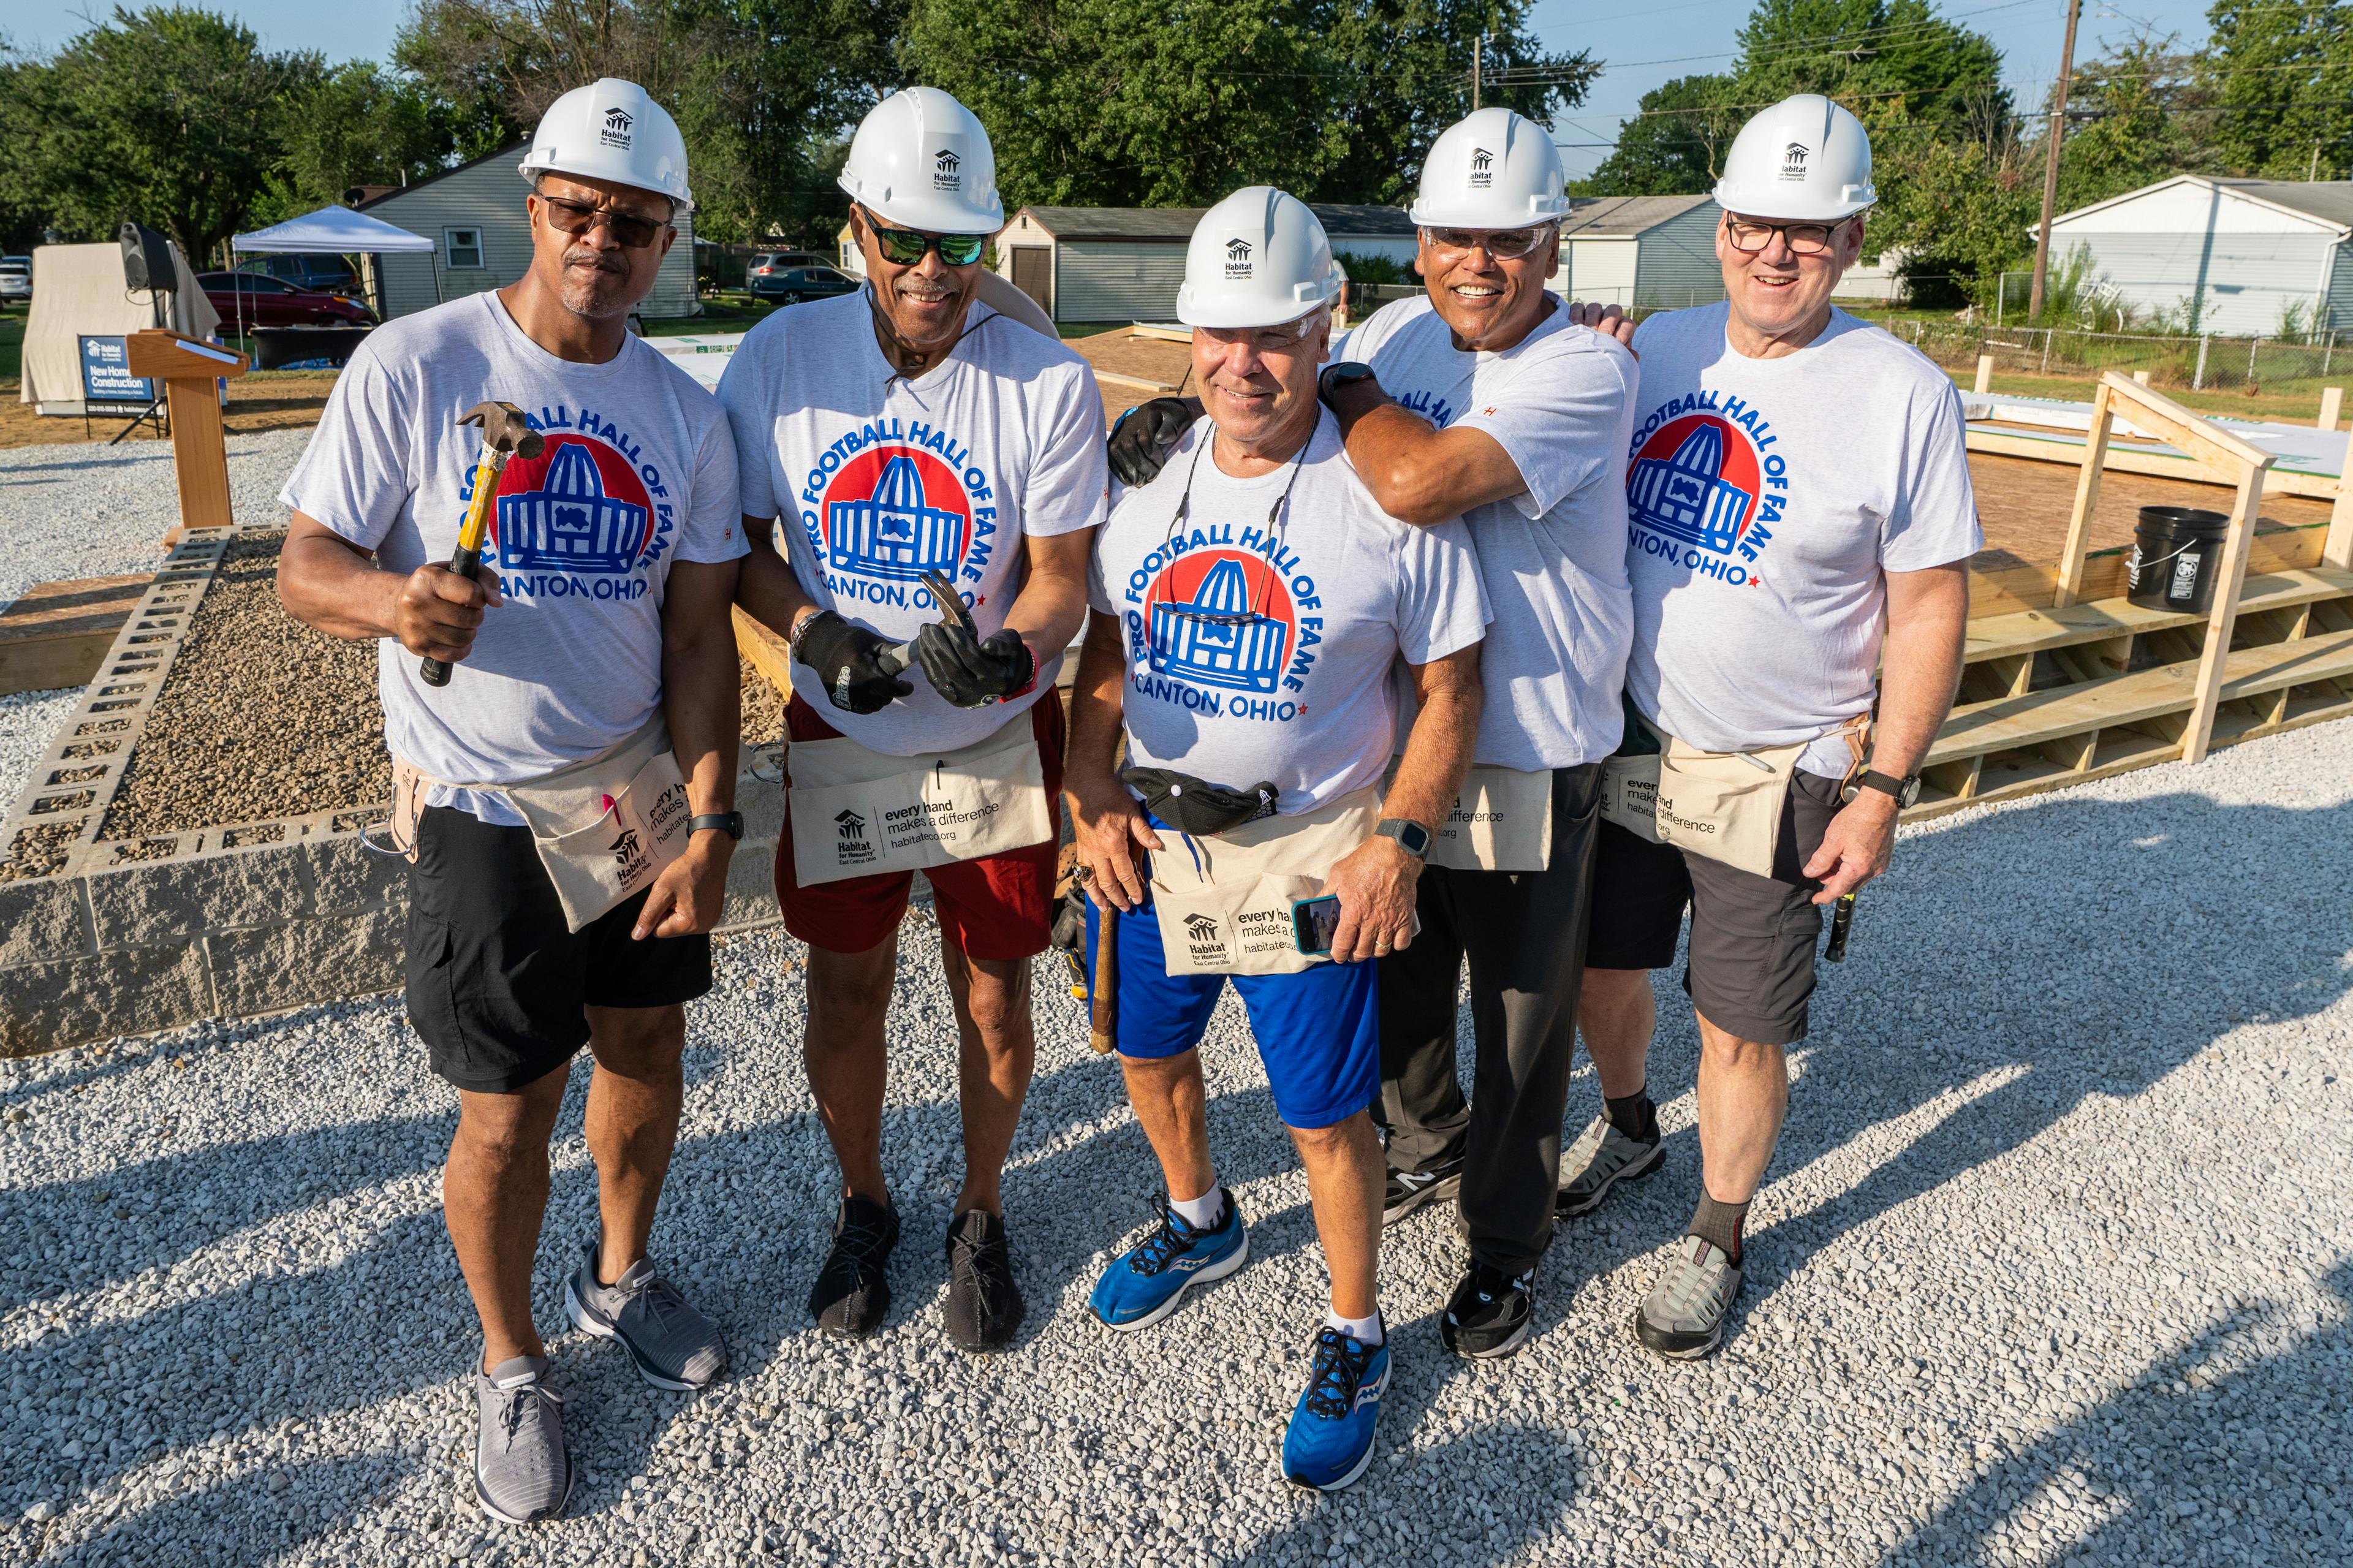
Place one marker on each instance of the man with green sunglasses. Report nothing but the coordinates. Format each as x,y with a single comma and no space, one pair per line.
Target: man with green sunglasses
906,436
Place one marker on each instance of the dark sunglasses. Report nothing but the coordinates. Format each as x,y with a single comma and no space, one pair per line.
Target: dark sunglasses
1802,238
905,247
629,231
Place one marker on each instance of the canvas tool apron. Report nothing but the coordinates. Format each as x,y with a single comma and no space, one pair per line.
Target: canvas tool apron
605,828
1726,805
857,812
1501,821
1224,899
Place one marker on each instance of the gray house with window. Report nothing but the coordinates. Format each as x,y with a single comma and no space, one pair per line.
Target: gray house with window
1126,264
474,214
1658,252
2249,257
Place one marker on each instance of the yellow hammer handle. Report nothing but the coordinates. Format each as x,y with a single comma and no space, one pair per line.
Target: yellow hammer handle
478,512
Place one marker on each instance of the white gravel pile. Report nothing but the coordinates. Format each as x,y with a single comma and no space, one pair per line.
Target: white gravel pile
102,512
2056,1264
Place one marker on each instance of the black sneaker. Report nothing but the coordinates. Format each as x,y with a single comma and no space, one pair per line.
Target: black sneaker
1490,1314
1408,1190
983,1307
852,1291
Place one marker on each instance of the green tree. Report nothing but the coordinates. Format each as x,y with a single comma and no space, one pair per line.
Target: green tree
355,125
2281,76
2135,116
1176,102
1674,144
167,115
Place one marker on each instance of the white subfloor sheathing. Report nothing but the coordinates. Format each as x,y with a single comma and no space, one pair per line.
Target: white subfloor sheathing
2055,1264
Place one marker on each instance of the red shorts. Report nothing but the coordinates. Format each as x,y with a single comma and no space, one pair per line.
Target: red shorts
997,907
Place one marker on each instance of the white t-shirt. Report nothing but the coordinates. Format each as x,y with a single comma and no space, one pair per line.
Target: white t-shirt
1263,652
876,478
1561,405
1764,499
638,472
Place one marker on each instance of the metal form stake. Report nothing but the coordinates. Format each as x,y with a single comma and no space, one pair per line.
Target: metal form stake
2198,378
2050,165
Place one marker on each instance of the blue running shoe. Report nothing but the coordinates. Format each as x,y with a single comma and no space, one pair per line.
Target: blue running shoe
1145,1283
1331,1436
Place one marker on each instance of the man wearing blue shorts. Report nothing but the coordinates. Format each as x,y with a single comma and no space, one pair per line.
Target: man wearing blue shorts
1248,607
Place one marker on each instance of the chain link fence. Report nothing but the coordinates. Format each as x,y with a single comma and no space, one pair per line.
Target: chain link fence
2206,363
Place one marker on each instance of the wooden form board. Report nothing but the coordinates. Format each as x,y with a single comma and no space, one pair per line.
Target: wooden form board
57,635
2127,459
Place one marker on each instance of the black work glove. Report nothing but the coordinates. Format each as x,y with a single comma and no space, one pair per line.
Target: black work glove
860,668
971,673
1140,441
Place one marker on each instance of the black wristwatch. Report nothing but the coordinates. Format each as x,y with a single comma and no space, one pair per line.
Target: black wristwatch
1346,374
1411,836
731,823
1905,790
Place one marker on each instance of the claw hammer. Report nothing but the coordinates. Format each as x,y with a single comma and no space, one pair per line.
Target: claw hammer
505,434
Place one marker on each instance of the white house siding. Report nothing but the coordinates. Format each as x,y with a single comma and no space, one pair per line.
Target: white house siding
2341,293
1603,271
488,195
2246,280
1677,265
1116,281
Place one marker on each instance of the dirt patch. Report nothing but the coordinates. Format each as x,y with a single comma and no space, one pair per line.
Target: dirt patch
2025,504
1149,359
764,708
274,402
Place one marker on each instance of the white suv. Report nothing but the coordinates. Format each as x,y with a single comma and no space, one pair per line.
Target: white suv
16,277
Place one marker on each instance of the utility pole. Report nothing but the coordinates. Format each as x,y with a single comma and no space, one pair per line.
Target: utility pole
2051,167
1479,59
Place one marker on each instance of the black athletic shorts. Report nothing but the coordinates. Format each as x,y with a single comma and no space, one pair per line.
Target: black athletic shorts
1751,968
496,982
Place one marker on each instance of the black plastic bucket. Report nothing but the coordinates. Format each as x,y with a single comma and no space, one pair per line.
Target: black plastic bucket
2175,557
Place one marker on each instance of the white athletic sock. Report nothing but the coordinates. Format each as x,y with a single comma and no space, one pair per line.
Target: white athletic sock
1363,1331
1204,1212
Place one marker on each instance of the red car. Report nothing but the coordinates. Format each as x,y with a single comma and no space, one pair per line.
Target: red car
258,301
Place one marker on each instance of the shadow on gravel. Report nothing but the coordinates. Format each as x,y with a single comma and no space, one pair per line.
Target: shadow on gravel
2267,1429
2183,919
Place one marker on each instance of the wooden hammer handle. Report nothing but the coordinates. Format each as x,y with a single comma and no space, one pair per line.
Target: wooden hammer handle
1102,996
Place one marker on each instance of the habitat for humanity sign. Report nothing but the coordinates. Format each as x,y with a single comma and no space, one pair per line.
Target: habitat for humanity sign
106,373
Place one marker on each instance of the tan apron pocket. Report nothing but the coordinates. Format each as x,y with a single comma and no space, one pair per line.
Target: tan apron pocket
1501,821
1223,901
598,868
1629,794
1726,805
858,812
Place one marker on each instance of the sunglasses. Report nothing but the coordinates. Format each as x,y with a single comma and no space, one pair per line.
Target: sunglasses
1503,244
905,247
1802,238
629,231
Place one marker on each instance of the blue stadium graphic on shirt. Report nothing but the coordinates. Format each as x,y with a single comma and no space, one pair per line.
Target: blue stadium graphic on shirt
890,500
1703,487
1223,621
588,518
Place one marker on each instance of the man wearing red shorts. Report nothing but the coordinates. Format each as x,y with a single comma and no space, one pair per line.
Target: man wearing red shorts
906,436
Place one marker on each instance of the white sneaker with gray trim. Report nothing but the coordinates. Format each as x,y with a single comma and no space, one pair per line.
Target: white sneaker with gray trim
1682,1317
1601,1159
672,1345
523,1472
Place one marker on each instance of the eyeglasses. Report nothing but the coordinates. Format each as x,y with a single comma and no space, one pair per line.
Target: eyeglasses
1802,238
905,247
629,231
1502,244
1265,340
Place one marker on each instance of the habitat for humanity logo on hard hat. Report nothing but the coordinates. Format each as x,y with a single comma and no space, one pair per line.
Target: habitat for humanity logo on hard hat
947,169
1482,169
1702,488
1793,161
889,502
586,519
1238,257
617,123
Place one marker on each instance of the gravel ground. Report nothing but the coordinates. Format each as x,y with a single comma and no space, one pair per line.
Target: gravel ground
29,722
2056,1263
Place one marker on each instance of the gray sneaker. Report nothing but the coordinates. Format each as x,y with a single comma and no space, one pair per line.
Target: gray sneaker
674,1346
1682,1317
1601,1159
522,1473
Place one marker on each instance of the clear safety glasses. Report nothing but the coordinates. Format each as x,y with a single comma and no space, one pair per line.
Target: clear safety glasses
1265,340
1502,244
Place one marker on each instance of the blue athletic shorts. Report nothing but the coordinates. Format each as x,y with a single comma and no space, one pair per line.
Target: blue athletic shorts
1318,1031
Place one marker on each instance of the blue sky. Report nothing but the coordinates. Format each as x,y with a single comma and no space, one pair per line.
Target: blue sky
1643,45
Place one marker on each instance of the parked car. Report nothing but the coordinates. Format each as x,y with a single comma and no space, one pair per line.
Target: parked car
257,302
791,285
16,277
326,274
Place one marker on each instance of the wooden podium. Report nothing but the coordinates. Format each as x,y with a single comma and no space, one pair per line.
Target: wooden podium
199,454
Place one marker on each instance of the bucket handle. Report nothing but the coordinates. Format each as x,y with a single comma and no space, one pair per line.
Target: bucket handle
2139,566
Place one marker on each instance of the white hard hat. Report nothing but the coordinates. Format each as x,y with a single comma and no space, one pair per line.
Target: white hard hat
1258,259
1805,159
921,159
1494,170
612,131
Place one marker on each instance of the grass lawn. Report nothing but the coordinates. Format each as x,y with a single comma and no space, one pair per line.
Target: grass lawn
12,345
730,310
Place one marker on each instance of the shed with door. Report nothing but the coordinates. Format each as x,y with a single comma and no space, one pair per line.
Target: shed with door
2245,257
1126,264
1658,252
480,229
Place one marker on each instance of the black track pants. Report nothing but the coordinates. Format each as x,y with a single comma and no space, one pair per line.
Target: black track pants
1523,935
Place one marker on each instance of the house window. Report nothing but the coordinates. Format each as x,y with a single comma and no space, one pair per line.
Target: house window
464,246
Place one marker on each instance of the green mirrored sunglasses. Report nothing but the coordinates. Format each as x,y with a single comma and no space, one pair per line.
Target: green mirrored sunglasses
905,247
